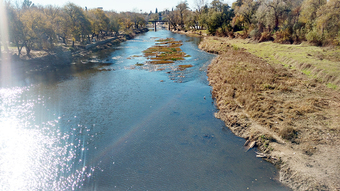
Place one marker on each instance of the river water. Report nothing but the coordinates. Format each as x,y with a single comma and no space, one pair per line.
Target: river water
120,126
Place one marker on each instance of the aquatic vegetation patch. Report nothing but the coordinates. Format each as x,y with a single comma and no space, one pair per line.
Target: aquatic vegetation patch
182,67
134,56
165,40
165,51
160,62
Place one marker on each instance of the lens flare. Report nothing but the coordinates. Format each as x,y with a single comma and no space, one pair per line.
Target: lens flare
4,58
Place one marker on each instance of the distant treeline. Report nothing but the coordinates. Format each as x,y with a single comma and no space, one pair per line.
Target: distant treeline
42,27
283,21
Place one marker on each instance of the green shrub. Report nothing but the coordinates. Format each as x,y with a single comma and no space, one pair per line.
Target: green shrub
283,36
235,47
255,34
314,37
265,36
220,32
337,39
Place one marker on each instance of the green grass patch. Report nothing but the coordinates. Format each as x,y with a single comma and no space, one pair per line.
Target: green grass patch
11,47
175,59
332,86
173,49
269,86
307,72
202,32
165,40
240,32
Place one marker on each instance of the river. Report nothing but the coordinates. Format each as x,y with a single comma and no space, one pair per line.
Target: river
122,126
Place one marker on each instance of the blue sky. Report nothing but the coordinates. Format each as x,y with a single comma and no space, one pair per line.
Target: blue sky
124,5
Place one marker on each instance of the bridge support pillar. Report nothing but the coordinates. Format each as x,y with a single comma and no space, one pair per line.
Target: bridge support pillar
155,26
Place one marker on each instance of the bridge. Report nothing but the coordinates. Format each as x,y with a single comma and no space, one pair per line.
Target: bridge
159,21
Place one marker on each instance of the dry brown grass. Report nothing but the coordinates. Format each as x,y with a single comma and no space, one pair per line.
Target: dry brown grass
257,100
270,95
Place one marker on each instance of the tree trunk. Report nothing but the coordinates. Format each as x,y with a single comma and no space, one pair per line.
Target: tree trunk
6,47
19,47
51,43
64,40
28,50
276,22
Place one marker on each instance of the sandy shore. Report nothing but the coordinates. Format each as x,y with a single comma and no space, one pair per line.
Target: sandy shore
292,118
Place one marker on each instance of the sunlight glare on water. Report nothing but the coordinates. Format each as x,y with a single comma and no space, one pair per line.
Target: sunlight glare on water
34,157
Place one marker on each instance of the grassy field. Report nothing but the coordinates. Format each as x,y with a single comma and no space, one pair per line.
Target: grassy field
11,47
321,63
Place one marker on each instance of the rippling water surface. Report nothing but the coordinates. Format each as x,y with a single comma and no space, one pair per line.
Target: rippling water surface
120,126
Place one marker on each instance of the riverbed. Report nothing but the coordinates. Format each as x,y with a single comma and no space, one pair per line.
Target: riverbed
118,123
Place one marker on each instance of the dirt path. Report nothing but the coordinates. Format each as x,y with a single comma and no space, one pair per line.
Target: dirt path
293,119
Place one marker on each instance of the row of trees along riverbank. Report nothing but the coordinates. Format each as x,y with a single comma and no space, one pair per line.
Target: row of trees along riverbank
44,27
282,21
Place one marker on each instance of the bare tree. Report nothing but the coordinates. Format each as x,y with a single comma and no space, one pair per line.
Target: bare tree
272,12
199,4
182,8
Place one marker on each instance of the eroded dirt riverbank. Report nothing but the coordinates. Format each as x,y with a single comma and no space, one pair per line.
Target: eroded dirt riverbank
294,120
